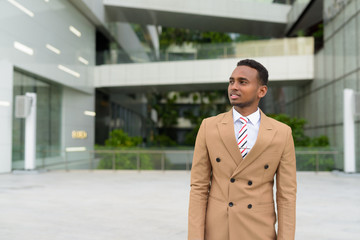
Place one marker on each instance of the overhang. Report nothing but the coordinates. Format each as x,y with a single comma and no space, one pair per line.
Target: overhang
247,17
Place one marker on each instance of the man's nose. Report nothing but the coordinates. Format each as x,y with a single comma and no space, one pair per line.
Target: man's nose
234,86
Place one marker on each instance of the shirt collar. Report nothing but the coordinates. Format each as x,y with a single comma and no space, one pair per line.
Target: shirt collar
253,118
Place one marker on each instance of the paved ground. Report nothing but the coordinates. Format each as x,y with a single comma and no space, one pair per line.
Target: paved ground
152,205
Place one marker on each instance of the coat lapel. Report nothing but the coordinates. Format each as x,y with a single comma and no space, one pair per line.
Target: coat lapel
226,131
264,138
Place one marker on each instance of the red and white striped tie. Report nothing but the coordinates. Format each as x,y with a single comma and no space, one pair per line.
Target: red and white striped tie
243,137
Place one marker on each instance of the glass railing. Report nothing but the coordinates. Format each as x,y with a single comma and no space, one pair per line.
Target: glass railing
247,49
307,159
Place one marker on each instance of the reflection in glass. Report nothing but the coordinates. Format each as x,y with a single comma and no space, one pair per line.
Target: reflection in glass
48,132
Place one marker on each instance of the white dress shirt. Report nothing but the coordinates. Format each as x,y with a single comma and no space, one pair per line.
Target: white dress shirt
252,125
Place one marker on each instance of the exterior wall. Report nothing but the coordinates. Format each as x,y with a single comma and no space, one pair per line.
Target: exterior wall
337,66
74,119
6,96
267,12
49,25
283,69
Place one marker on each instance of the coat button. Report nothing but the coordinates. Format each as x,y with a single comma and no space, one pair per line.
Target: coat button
218,159
249,206
266,166
231,204
232,180
250,183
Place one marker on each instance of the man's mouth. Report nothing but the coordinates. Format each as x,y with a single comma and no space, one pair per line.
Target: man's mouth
234,96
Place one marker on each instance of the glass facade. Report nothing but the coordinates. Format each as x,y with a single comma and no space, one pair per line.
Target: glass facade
48,119
124,118
337,66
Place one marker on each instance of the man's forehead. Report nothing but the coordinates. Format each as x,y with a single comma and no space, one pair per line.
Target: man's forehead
244,72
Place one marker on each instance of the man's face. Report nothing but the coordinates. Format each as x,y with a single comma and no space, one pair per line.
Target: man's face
244,88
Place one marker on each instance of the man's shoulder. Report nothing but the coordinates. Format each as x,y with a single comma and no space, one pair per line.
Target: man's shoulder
277,124
216,119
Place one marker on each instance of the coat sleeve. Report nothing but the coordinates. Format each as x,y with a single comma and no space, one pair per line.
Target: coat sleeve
286,191
200,183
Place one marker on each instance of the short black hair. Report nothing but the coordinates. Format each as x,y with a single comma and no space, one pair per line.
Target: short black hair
263,74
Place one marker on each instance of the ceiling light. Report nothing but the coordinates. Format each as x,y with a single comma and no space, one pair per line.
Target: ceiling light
23,48
75,31
90,113
69,71
75,149
83,60
4,103
47,1
53,49
21,7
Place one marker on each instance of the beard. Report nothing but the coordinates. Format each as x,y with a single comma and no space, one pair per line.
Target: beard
243,104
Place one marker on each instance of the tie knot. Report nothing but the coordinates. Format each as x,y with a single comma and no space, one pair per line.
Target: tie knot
243,120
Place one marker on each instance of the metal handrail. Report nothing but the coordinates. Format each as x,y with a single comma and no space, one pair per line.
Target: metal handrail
138,152
317,153
90,159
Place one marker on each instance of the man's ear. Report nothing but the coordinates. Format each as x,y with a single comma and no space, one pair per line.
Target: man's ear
262,91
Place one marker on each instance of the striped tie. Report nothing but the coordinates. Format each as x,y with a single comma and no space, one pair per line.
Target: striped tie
243,137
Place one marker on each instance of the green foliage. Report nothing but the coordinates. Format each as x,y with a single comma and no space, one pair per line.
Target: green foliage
207,108
178,36
203,41
213,37
307,162
191,136
300,33
244,37
321,141
319,33
297,127
118,138
168,114
168,111
126,161
139,32
162,141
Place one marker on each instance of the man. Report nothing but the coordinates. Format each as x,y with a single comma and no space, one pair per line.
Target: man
237,154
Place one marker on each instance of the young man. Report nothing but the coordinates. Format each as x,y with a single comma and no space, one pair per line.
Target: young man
237,154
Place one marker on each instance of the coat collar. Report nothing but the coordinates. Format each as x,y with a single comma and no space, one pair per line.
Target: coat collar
226,131
264,138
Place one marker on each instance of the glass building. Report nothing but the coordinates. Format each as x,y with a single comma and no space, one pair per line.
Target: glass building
93,64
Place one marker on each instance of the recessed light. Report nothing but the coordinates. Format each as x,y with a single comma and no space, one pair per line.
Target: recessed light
4,103
53,49
90,113
21,7
69,71
23,48
75,31
83,60
75,149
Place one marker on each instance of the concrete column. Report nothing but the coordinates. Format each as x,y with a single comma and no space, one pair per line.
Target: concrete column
30,135
349,131
6,103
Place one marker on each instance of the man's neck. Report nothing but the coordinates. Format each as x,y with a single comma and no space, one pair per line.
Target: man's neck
246,111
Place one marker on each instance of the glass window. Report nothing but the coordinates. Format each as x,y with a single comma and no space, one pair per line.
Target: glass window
48,131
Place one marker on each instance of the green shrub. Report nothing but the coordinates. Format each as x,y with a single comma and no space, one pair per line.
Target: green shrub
126,161
119,138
